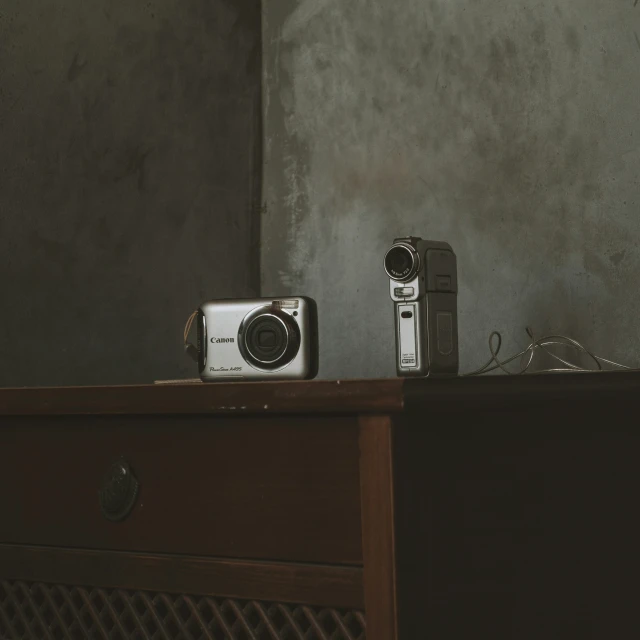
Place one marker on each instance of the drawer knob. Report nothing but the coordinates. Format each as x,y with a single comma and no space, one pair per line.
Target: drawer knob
118,492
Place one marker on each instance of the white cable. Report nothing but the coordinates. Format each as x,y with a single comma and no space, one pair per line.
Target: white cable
535,346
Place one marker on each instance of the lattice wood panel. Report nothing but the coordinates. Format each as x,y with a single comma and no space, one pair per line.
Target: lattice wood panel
50,612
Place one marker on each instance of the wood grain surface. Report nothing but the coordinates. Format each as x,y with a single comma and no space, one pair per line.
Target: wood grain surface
270,488
378,546
326,585
322,396
352,396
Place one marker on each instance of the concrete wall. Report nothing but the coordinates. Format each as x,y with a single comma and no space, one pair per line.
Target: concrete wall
510,130
129,181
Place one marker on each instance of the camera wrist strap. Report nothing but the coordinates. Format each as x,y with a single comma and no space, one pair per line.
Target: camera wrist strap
189,348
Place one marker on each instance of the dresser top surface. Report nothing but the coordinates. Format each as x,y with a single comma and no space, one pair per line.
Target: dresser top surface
324,396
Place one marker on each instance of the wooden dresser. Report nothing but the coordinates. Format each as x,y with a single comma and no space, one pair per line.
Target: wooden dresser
392,509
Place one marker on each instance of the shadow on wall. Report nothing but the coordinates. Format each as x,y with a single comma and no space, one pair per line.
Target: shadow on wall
130,169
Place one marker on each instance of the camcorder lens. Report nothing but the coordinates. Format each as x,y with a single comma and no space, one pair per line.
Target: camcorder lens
400,263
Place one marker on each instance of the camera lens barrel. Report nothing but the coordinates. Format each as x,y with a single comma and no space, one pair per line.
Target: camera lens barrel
266,338
401,262
269,338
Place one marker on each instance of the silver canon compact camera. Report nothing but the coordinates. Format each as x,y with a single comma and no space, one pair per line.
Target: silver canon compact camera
424,288
268,338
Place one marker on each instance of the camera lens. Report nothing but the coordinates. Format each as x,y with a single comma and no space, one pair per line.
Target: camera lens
401,263
266,339
269,338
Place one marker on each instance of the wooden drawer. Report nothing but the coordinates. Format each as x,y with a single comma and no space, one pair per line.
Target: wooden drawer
284,488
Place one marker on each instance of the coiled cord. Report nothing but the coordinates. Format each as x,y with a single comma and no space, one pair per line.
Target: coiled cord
536,345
